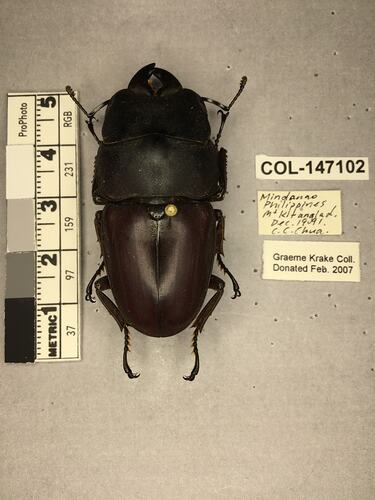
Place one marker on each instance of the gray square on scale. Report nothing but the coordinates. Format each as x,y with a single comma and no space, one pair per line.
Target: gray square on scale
20,276
20,225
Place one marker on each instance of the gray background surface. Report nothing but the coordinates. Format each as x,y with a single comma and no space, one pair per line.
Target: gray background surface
284,404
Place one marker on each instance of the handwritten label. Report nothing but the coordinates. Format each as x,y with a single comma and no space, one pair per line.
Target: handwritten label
299,168
299,212
311,260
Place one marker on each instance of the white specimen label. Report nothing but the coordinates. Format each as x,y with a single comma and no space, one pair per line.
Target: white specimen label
316,168
311,260
301,213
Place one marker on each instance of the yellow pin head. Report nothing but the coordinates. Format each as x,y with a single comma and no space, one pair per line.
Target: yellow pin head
170,210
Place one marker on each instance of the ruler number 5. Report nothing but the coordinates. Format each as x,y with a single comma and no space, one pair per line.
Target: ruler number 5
48,102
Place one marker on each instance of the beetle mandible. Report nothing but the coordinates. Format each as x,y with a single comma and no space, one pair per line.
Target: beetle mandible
157,171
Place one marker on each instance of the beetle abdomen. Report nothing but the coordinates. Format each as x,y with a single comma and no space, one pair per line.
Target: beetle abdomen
158,266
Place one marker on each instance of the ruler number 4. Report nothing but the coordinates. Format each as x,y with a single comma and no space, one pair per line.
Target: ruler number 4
48,153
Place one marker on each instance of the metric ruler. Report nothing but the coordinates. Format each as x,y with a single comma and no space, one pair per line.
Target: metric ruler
42,319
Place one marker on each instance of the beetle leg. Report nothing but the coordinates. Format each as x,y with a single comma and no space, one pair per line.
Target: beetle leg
220,231
236,286
222,184
101,285
126,366
218,285
89,296
215,103
98,221
195,370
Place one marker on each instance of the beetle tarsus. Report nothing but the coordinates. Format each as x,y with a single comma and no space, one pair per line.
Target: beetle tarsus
236,286
126,366
195,370
218,285
130,374
89,295
220,228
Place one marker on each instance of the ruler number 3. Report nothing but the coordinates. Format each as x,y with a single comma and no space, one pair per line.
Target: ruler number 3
48,204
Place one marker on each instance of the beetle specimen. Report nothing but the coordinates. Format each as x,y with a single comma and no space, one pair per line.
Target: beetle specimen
156,172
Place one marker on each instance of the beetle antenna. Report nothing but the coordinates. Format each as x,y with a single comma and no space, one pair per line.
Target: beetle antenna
240,90
70,91
91,115
224,111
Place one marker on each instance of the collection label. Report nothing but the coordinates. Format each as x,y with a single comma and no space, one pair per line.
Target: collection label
299,212
311,260
317,167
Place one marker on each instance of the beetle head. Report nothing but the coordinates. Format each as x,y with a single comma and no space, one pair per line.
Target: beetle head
153,81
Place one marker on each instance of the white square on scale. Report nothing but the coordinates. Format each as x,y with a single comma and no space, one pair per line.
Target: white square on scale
20,171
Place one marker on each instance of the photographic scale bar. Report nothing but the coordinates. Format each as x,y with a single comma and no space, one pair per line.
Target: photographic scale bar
42,304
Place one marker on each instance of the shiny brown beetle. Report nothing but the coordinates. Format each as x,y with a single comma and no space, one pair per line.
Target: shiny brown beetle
156,172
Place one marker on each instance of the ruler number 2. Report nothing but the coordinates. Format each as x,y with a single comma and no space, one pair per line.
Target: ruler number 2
48,259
